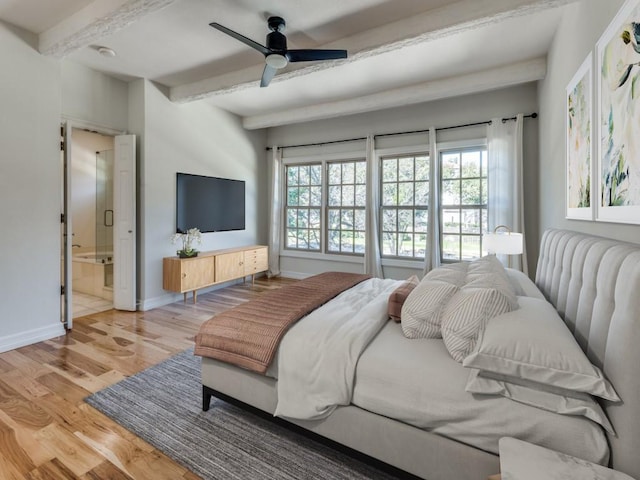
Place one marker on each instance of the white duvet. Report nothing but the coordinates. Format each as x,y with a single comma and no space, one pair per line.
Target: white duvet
317,357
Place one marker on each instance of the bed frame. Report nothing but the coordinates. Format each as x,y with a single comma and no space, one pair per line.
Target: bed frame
593,282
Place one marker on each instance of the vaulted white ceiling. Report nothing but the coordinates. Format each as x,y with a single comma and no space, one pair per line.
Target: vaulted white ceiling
400,51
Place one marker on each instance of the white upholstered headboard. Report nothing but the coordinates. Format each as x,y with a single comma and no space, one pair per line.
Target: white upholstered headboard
594,283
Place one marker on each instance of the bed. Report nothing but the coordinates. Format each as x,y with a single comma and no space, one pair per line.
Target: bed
436,429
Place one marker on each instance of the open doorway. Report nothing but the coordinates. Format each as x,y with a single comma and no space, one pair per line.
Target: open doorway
91,210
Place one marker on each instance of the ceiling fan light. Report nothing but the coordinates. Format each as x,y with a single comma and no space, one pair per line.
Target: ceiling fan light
276,61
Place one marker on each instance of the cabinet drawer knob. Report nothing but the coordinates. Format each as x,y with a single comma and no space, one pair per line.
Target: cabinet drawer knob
184,275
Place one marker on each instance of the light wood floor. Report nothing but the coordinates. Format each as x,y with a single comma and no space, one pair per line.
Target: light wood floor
47,432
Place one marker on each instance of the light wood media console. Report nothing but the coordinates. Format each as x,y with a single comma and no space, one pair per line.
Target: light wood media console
185,275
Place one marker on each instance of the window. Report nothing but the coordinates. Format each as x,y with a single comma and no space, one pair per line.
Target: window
463,203
346,200
404,205
303,206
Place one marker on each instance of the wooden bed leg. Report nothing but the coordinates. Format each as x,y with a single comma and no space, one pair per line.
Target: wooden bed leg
206,398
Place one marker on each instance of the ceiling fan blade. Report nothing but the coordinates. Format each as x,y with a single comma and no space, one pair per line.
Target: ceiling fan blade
310,55
247,41
267,75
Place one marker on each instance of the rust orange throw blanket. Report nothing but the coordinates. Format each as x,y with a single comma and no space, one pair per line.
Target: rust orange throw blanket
248,335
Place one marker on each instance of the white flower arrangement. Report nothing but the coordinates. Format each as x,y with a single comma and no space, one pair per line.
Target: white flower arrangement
191,236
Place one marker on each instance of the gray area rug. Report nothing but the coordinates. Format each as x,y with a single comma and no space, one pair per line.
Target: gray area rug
163,405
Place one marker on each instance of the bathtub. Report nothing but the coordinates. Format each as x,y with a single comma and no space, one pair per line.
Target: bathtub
92,273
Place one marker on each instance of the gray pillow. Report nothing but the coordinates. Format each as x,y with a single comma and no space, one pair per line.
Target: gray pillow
533,343
421,313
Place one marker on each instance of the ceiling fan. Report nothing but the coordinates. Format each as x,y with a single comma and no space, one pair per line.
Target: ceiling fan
276,54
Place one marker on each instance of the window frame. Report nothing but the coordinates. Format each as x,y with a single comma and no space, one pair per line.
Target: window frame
323,253
460,146
408,151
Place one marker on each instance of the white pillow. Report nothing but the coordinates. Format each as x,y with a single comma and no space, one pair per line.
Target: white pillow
540,396
454,273
421,313
533,343
467,314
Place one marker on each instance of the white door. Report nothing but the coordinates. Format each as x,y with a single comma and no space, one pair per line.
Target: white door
67,228
124,205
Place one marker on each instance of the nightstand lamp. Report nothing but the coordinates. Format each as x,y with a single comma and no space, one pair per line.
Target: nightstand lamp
502,241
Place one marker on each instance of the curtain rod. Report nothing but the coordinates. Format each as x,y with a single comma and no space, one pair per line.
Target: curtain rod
358,139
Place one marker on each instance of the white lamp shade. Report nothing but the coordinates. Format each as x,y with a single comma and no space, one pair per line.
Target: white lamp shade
503,243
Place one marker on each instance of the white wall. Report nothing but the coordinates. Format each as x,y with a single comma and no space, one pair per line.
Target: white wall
30,192
442,113
193,138
83,186
582,25
91,96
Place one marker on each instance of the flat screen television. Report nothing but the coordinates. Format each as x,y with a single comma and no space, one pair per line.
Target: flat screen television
210,204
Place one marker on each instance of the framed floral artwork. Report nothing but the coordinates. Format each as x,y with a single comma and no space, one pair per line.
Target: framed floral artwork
618,172
579,146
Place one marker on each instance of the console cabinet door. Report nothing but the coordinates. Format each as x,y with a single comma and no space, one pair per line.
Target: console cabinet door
256,260
229,266
184,275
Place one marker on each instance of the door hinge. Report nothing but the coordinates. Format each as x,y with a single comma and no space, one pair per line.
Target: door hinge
62,218
62,290
62,146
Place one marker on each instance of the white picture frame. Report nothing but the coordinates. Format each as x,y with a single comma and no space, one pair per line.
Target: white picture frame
579,143
618,105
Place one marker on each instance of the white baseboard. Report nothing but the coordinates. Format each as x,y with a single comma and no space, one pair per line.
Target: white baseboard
11,342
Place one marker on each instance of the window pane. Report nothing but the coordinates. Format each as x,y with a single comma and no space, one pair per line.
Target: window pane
361,172
292,196
450,192
485,222
292,217
405,194
421,245
335,196
303,218
405,170
305,197
405,249
389,220
292,175
470,192
347,195
316,174
314,239
389,242
359,220
347,219
405,220
314,218
422,168
471,221
470,247
316,196
361,195
421,221
389,170
292,239
334,218
451,221
334,174
334,241
390,194
348,173
346,242
450,165
484,196
471,164
359,242
451,247
422,193
304,175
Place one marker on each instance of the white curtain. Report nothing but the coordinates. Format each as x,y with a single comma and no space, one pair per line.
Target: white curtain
505,184
372,261
432,254
275,211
